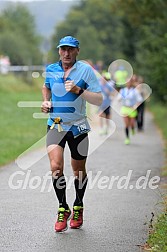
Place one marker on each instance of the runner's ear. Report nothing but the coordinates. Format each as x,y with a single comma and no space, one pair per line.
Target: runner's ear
78,50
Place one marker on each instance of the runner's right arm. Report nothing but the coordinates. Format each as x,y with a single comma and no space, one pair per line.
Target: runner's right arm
46,105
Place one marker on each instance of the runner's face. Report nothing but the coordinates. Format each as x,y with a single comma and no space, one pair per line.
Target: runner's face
68,54
129,84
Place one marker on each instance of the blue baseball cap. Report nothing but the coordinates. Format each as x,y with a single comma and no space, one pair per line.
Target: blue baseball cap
68,41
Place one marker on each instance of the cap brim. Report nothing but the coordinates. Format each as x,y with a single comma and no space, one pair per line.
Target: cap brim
66,45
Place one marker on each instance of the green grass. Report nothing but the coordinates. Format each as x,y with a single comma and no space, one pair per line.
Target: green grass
157,239
18,129
160,117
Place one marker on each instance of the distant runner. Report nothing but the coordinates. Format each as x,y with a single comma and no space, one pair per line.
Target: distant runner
131,99
120,77
105,109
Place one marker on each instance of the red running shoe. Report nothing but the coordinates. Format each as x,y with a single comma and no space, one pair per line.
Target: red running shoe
77,217
63,216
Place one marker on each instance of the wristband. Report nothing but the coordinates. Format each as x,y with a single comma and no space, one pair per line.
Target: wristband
81,91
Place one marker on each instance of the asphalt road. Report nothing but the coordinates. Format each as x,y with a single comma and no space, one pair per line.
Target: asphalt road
117,209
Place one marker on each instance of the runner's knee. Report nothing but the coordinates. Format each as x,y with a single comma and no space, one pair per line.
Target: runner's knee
56,168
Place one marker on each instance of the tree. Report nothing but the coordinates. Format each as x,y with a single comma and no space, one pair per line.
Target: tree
148,20
97,27
131,30
18,36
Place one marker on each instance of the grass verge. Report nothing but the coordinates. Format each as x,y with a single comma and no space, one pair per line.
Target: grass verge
160,117
18,129
157,240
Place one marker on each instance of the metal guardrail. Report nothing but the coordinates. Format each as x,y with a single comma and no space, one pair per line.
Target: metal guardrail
4,69
25,68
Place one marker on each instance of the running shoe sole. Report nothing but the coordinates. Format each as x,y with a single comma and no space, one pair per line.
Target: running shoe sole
76,227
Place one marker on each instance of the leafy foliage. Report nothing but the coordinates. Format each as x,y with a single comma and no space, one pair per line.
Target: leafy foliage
131,30
18,37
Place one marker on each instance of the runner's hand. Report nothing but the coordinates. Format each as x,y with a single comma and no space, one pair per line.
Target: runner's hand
46,106
71,87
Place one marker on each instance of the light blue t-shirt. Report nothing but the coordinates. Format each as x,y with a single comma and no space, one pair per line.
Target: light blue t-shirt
130,96
106,90
67,105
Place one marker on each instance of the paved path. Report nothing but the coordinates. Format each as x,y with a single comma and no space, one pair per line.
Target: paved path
115,220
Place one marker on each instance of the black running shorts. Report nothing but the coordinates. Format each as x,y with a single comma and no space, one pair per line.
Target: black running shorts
107,111
78,145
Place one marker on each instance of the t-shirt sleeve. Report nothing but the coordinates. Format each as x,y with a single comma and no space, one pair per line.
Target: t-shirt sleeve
110,88
120,95
139,98
47,78
92,81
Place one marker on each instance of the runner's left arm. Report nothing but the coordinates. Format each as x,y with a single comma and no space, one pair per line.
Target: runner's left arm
94,98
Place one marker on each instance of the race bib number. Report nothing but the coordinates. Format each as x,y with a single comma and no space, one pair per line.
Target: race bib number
80,128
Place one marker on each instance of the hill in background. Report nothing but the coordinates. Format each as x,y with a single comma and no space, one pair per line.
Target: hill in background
47,13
